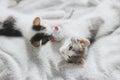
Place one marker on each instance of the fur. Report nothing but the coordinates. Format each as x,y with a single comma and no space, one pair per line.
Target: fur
8,28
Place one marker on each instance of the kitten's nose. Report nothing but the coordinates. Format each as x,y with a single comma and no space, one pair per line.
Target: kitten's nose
63,52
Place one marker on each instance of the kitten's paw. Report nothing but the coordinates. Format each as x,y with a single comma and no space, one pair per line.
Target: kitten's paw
81,61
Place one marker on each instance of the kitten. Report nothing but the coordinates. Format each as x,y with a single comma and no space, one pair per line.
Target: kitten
75,45
94,30
37,34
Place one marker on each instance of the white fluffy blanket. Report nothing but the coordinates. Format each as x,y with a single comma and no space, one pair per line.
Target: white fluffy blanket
17,62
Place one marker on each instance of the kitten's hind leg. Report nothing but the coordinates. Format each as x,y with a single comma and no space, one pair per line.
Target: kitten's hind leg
94,28
8,28
9,23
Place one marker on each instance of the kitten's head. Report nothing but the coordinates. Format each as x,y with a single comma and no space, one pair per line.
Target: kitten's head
41,36
74,50
40,39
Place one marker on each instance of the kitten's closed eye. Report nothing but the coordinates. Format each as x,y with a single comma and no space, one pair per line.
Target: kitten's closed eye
70,48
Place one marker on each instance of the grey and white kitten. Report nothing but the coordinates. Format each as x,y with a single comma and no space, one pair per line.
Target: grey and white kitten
102,62
89,28
78,37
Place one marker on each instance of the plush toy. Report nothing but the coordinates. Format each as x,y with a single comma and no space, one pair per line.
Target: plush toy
57,34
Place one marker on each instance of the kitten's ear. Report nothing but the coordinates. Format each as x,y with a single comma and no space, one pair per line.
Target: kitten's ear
37,21
84,42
